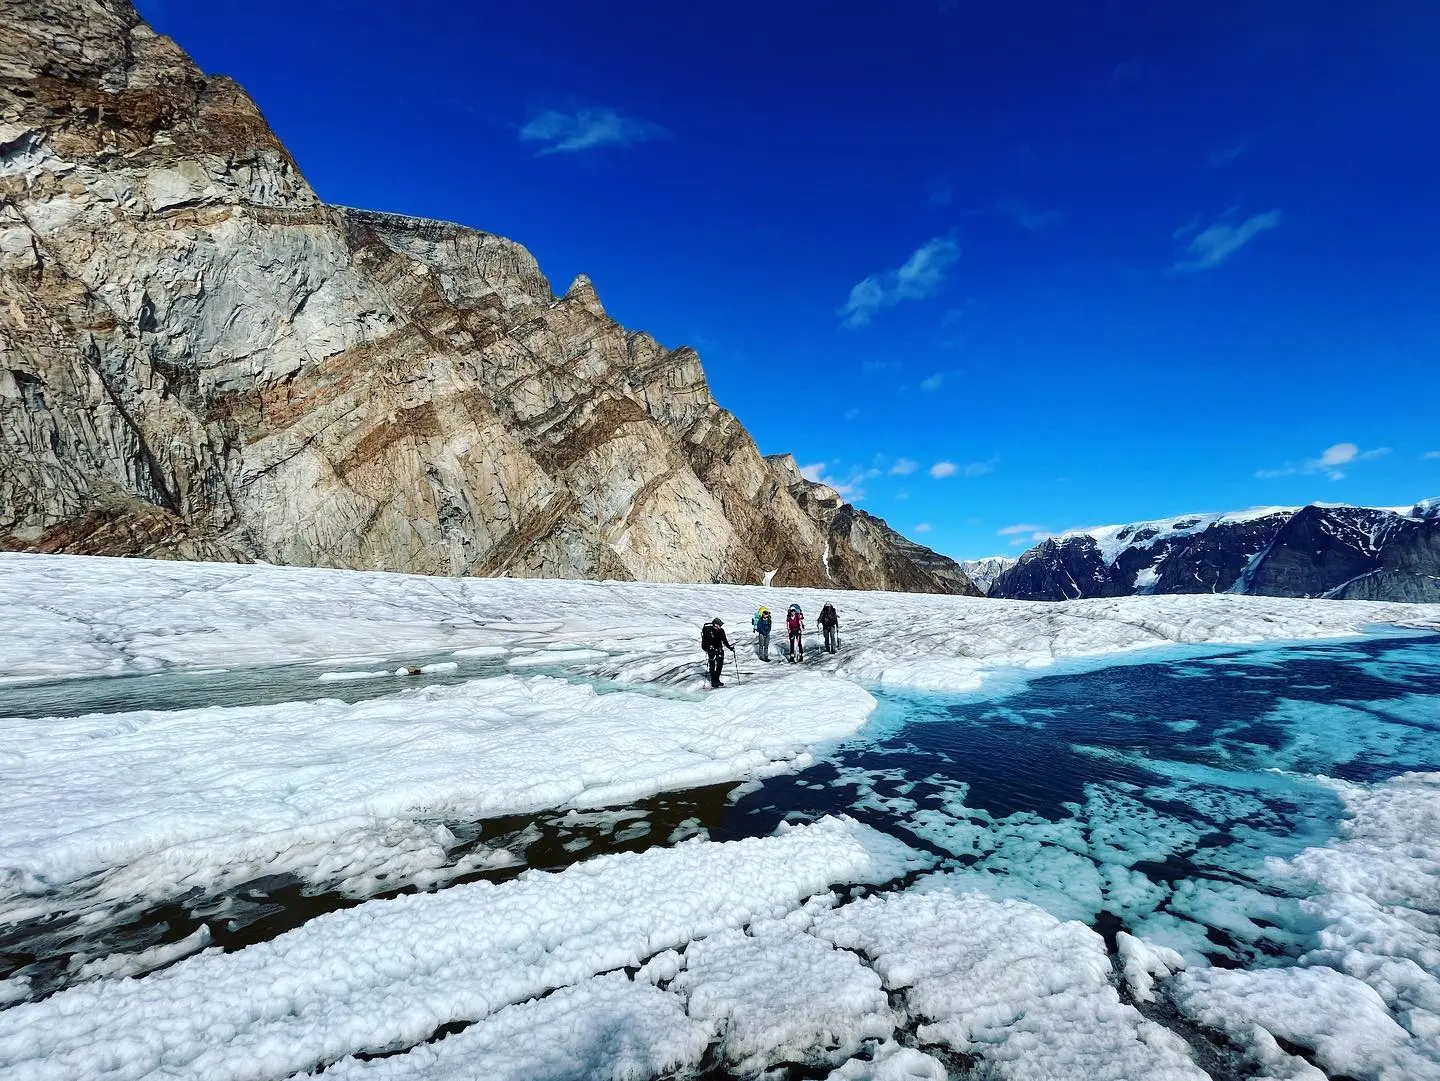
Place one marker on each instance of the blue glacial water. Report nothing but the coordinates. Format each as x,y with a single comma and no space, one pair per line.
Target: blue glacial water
1158,796
1161,795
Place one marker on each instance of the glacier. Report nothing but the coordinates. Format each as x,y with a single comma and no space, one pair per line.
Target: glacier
1171,837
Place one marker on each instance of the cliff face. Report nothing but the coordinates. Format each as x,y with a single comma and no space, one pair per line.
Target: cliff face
203,360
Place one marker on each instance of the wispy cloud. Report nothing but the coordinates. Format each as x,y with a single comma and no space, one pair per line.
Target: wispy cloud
874,367
932,383
1027,217
941,470
1430,455
1229,153
1333,461
922,527
1025,533
849,489
1213,245
585,128
851,414
918,277
903,467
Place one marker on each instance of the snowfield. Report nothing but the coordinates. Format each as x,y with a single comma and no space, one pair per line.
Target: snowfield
831,945
65,616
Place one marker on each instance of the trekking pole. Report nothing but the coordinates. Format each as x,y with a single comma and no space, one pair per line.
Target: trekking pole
736,657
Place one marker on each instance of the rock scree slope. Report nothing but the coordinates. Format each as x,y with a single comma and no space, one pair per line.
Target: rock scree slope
199,359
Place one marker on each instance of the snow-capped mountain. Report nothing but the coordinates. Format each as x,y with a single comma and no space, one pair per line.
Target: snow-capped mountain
983,572
1320,550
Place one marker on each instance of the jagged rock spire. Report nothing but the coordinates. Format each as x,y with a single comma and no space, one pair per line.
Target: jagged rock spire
582,292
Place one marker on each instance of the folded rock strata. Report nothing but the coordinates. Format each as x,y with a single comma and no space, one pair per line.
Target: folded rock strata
200,359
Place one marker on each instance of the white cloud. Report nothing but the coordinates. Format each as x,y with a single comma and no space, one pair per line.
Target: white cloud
923,527
1028,217
1213,245
851,414
1329,462
979,469
903,467
932,383
586,128
1430,455
920,276
850,489
943,469
1025,533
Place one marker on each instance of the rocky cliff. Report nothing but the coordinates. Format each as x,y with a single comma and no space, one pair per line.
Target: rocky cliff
1360,553
200,359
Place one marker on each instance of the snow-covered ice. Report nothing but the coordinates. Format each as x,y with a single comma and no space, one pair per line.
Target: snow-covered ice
704,953
1008,981
63,616
165,801
387,974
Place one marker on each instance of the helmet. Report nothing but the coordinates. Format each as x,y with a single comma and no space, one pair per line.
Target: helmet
717,621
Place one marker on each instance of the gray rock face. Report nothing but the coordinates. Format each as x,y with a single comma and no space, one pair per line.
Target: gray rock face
1359,553
983,572
199,359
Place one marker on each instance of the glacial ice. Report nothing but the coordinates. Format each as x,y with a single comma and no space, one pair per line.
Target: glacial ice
636,965
387,974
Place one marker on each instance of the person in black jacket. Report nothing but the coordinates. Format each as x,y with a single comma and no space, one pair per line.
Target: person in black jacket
830,624
714,643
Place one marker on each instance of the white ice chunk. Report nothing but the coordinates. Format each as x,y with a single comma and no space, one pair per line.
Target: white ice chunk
780,995
891,1062
1009,982
603,1029
1142,962
130,964
386,974
1340,1020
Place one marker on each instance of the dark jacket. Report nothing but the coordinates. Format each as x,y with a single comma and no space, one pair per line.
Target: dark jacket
828,617
713,638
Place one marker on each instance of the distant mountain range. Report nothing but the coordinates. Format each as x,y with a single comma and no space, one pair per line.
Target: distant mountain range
1321,550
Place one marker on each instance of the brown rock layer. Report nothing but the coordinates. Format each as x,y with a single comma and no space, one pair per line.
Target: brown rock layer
201,360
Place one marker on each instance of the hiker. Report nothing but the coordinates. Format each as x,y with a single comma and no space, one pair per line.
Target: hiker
830,624
795,624
761,622
714,643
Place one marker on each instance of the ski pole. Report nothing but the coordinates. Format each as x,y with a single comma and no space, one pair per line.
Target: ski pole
736,658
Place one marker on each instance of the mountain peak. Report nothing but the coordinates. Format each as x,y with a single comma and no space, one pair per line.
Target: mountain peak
582,292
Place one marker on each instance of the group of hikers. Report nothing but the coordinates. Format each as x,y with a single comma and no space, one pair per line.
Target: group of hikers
715,642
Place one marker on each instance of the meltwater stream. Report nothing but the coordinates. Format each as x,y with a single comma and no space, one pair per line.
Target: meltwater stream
1159,796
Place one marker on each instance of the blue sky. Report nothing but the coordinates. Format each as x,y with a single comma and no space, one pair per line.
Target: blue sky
995,270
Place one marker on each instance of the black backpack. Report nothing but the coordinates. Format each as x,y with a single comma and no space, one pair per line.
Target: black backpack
707,637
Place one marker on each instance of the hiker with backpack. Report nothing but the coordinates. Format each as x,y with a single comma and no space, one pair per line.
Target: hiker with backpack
795,625
761,622
714,643
830,624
